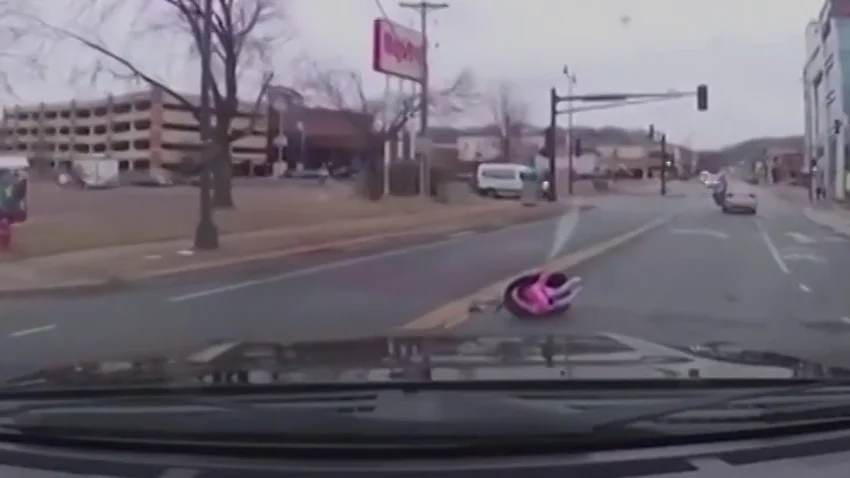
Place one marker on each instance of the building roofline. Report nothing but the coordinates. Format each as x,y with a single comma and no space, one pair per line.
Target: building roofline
103,100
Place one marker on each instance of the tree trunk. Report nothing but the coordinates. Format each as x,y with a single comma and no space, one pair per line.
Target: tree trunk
222,193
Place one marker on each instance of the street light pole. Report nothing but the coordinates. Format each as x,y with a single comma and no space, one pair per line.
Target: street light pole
206,233
299,125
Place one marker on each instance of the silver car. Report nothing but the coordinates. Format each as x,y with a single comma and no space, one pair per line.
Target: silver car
740,201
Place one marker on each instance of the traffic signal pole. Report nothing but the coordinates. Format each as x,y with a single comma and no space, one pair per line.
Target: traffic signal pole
701,94
663,164
551,141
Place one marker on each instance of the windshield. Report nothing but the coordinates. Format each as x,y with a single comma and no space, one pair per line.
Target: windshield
193,201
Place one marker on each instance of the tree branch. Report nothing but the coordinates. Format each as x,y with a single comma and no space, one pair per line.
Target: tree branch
343,89
134,71
509,115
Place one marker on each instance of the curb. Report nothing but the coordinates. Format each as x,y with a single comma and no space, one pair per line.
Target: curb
815,217
122,283
70,289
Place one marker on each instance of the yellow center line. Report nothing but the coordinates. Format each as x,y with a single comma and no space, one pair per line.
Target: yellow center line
457,312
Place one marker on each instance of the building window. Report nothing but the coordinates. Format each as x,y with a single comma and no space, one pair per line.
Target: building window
181,147
181,127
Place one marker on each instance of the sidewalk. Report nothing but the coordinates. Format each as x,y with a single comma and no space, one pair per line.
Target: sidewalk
101,266
835,216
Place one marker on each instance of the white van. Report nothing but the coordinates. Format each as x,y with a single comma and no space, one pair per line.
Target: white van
503,180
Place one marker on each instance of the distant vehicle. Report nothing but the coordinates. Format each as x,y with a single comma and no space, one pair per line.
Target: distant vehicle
504,180
740,201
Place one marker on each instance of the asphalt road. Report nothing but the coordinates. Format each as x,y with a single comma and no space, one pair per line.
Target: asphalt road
775,281
333,293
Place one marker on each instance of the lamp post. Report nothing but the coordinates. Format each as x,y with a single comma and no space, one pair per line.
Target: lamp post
284,101
299,125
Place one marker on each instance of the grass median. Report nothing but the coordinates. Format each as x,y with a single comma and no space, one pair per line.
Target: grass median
101,226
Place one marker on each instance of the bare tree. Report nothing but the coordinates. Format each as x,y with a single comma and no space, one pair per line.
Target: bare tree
244,36
19,45
343,89
510,114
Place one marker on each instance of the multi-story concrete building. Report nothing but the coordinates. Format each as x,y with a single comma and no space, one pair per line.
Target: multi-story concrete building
826,80
139,130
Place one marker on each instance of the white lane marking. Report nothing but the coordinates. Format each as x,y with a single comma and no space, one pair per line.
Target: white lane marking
805,288
701,232
34,330
772,248
835,239
845,319
800,237
802,256
461,233
336,265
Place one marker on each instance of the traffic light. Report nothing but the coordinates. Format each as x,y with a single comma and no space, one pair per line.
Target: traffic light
702,97
651,132
576,147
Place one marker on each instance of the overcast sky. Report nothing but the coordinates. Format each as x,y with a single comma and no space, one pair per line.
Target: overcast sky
749,52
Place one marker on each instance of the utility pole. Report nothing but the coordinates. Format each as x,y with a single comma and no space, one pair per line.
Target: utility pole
663,164
206,233
571,81
425,8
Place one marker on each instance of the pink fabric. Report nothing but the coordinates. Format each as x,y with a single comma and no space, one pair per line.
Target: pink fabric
538,296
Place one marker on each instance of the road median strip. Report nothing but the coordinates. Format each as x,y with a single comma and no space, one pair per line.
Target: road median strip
457,312
347,240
